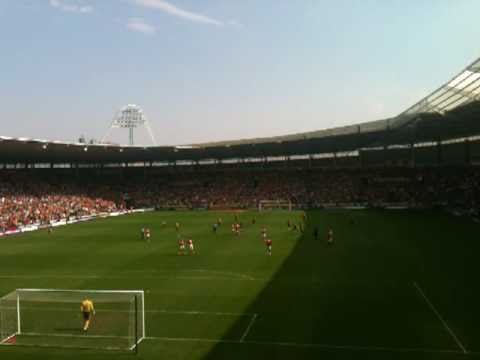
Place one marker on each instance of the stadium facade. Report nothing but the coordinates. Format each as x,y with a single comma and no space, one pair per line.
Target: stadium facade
440,129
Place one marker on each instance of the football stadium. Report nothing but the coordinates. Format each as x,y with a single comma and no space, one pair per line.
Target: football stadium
351,242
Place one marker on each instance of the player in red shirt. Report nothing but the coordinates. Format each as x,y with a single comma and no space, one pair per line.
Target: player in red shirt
268,243
181,247
191,248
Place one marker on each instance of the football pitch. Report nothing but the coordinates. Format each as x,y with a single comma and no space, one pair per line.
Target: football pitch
395,284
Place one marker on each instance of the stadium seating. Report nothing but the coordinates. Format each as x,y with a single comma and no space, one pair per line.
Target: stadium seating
28,200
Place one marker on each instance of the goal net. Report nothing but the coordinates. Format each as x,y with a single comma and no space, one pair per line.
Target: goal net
52,317
274,205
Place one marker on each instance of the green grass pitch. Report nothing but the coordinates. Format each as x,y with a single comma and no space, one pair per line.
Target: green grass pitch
395,285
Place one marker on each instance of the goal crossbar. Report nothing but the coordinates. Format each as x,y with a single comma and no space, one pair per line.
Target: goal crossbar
85,291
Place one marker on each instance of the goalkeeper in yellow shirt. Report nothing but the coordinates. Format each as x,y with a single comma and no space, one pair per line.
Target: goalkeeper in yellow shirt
88,310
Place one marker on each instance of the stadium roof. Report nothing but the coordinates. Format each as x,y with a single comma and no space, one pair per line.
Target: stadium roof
461,90
451,111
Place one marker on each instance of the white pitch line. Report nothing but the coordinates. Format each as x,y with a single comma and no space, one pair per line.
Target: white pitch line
444,323
247,330
199,313
137,343
160,311
65,346
144,273
79,335
261,343
224,273
174,277
306,345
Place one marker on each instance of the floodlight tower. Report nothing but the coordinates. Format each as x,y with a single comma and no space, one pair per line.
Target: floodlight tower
130,117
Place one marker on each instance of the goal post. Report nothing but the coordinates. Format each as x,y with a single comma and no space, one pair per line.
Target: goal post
52,318
274,205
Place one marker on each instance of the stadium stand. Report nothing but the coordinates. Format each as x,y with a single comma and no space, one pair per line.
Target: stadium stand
411,160
24,201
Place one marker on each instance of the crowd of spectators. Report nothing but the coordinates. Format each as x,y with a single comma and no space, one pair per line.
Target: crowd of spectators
413,188
27,200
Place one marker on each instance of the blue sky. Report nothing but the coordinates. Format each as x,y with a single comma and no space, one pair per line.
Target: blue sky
225,69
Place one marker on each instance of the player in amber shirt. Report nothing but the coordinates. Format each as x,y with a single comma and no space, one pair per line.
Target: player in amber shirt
88,310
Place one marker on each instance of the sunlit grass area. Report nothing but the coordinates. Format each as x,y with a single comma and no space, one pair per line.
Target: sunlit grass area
393,285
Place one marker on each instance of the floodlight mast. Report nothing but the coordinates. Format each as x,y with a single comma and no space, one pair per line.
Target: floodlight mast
130,117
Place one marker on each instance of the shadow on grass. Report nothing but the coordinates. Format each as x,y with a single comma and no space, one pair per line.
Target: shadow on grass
351,300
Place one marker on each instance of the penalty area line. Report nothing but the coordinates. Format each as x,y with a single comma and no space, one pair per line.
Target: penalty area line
247,330
150,276
440,318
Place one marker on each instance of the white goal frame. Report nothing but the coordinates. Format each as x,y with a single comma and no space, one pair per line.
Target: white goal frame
274,205
136,293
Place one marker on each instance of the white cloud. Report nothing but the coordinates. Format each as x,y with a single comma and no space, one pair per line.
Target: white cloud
173,10
71,7
236,24
139,25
